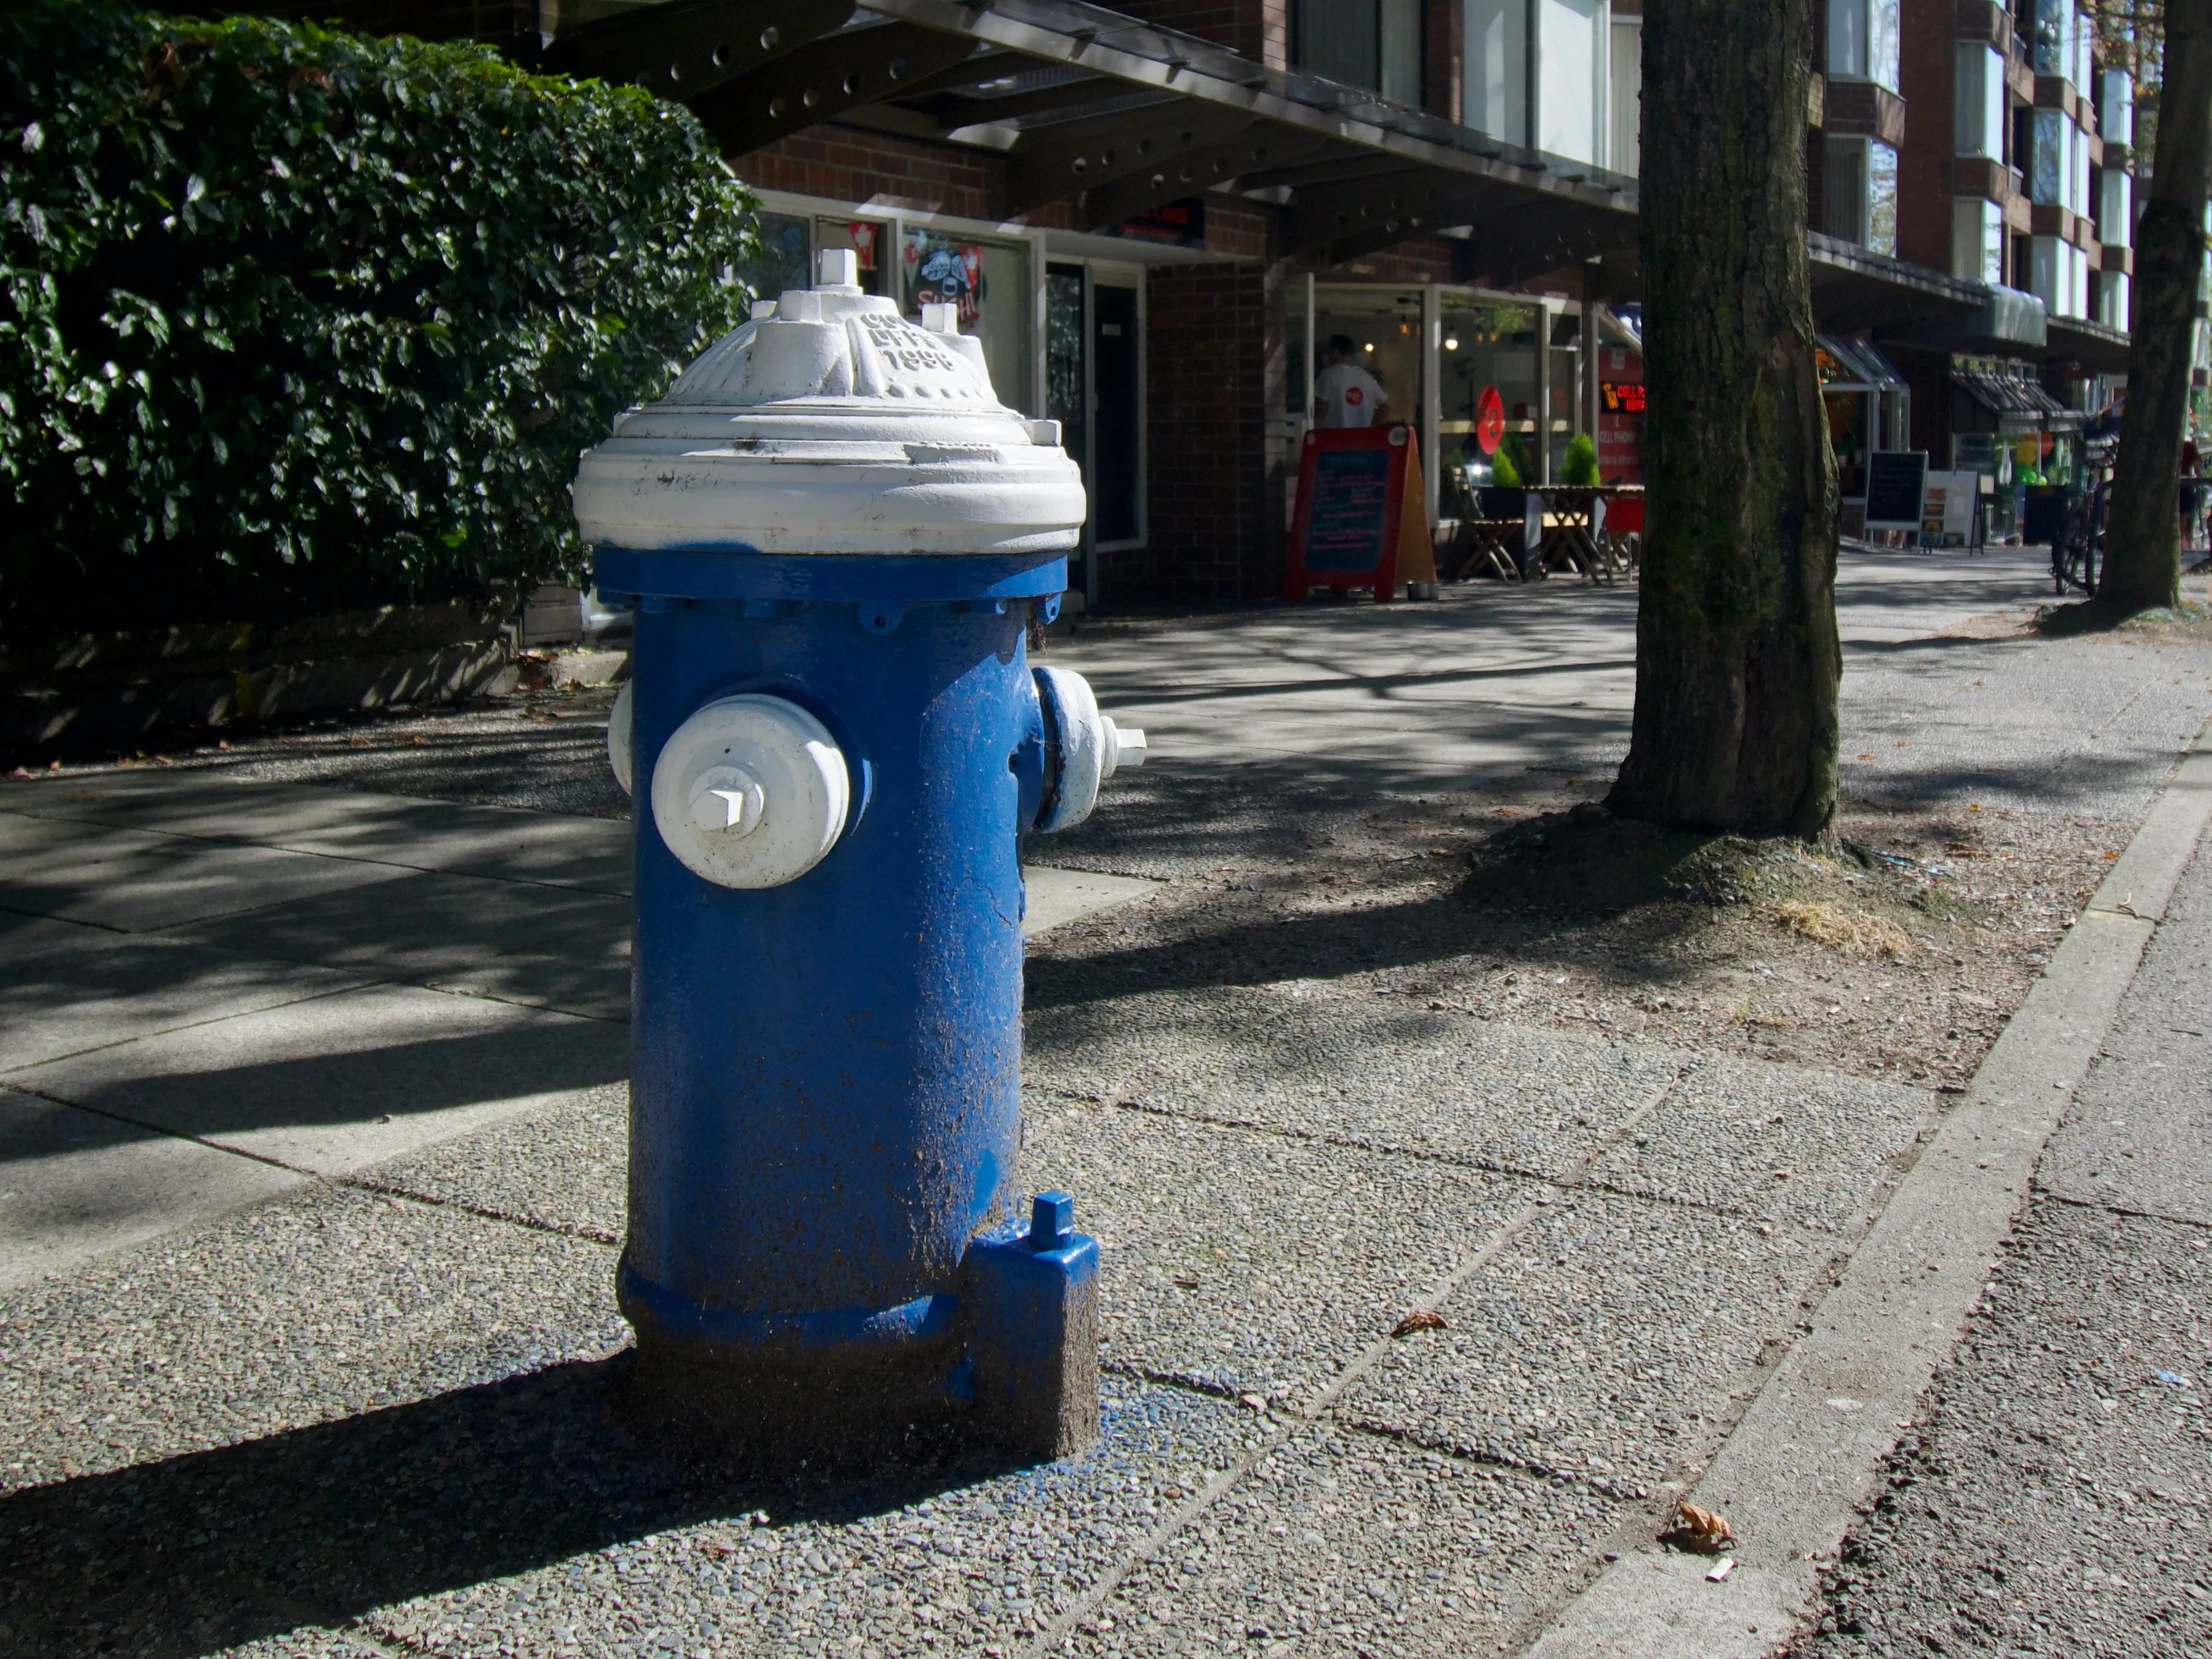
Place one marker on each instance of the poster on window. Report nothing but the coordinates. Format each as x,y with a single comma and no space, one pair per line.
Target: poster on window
945,271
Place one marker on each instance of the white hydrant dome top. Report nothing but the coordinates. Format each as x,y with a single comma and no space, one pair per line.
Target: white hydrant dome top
829,424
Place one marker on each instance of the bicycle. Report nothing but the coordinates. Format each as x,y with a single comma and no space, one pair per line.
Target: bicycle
2078,548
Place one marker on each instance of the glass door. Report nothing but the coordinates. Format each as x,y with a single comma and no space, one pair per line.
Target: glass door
1117,501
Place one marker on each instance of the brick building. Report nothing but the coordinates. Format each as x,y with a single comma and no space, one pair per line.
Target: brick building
1156,218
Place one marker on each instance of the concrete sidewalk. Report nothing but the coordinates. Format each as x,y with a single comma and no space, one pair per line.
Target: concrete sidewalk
314,1142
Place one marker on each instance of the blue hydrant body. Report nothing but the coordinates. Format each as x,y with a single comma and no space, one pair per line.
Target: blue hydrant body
834,747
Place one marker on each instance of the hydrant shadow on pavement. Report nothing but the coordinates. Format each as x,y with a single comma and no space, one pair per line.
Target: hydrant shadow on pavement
211,1549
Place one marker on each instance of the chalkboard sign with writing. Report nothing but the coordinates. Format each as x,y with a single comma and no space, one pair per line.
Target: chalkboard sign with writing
1350,513
1896,481
1360,522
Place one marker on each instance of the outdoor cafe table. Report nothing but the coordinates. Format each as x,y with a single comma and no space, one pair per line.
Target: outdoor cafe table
1572,533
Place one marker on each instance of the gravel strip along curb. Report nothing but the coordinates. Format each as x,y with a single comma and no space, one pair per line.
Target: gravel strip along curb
1792,1475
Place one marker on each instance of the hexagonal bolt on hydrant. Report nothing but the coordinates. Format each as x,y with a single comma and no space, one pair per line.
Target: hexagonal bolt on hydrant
837,537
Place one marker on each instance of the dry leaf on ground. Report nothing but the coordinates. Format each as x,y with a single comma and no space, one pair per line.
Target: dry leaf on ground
1423,1321
1699,1529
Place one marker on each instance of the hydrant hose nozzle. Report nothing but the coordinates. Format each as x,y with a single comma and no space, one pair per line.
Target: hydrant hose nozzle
1082,747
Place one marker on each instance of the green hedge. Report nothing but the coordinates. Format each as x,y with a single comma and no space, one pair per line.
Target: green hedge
293,319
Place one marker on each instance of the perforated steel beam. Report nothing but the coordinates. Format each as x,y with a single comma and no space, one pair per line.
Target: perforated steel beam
690,46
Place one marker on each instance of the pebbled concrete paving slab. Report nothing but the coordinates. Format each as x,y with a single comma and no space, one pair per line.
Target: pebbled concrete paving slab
81,988
564,1166
1247,1263
1309,1057
973,1560
1340,1542
343,1080
377,1412
1614,1340
324,1304
74,1185
1778,1143
230,806
131,881
558,948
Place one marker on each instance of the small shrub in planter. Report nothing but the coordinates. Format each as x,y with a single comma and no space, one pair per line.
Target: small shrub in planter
1579,465
293,321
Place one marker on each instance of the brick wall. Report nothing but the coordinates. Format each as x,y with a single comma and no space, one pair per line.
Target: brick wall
1926,54
1258,28
1237,230
1214,380
1423,259
1928,375
1443,36
851,164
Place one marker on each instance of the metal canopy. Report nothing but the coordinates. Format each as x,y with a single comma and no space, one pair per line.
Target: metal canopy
1103,112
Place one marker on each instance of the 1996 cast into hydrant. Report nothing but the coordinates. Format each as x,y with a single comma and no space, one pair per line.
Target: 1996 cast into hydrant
837,538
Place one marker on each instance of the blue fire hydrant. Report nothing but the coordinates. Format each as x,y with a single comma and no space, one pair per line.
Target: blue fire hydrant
837,539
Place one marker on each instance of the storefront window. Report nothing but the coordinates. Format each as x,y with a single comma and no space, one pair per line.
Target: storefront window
870,240
1381,327
786,258
1486,346
989,282
1849,427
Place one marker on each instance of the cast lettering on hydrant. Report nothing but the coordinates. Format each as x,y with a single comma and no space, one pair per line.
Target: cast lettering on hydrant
837,538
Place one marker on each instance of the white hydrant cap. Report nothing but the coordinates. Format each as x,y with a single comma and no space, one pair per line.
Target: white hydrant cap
831,424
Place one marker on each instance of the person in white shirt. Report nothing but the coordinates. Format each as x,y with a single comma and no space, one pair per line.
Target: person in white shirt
1345,393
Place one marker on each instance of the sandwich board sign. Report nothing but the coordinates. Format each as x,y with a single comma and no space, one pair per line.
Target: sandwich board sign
1947,510
1360,522
1897,482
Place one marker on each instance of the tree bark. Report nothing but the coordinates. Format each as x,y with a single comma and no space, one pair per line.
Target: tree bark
2142,534
1737,661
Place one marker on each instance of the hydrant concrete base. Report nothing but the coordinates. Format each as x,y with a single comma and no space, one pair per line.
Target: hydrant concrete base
1011,1367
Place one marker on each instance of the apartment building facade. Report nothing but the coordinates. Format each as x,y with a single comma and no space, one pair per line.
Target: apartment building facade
1991,143
1157,218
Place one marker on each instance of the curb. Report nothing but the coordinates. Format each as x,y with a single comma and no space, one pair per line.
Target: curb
1793,1474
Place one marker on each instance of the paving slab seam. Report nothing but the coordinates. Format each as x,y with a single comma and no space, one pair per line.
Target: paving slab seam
1290,1419
1794,1474
69,922
1453,1160
490,996
2045,1196
1457,1449
1464,1453
143,829
1313,1137
484,1212
355,1183
1188,1382
300,1001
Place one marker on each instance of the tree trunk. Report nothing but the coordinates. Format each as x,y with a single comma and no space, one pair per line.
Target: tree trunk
2142,535
1737,659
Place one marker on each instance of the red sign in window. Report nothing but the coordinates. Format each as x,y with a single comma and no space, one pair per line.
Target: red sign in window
1489,420
1621,397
